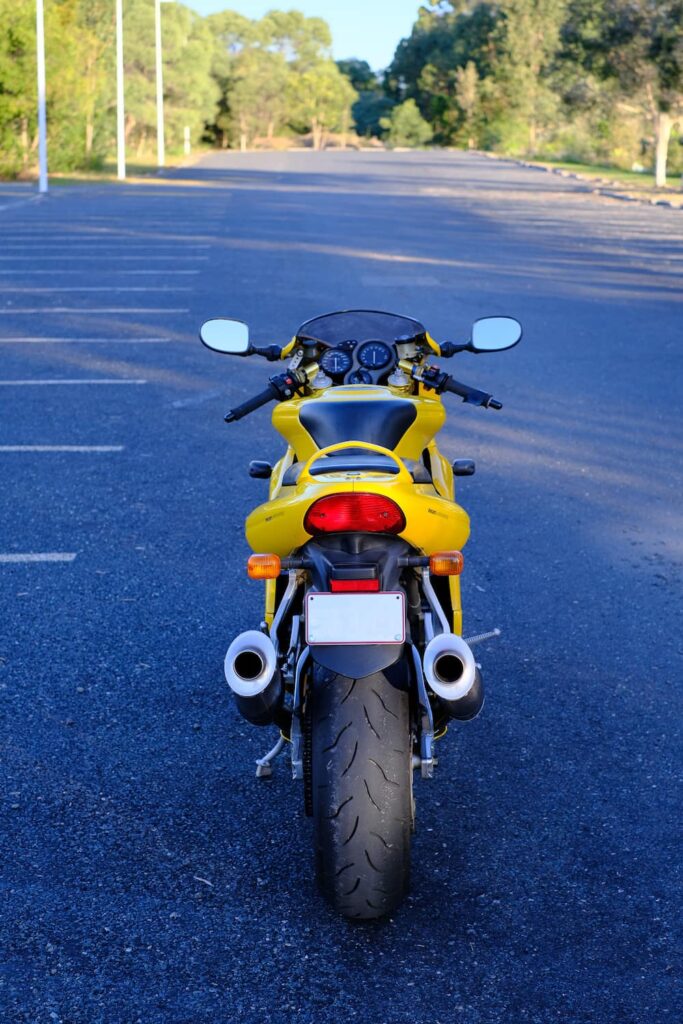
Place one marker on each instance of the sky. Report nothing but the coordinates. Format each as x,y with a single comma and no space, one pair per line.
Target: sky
368,29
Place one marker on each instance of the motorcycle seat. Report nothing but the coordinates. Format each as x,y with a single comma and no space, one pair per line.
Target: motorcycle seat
357,461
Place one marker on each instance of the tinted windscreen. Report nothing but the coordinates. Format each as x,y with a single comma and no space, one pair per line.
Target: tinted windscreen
361,325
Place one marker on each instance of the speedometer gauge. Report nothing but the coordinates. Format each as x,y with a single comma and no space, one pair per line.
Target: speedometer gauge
335,362
374,355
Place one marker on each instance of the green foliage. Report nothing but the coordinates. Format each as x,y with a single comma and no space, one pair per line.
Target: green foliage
406,126
601,78
368,112
320,101
227,77
590,80
276,75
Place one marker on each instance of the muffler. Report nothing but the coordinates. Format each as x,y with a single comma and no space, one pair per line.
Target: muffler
451,673
253,676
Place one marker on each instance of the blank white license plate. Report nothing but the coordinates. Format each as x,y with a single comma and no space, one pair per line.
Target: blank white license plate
355,618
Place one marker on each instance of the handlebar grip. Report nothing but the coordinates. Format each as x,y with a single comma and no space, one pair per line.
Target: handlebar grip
269,394
472,395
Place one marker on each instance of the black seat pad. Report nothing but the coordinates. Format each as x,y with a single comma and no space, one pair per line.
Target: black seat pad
376,422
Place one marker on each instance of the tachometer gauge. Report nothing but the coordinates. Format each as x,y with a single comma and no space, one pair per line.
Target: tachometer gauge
335,362
360,377
374,355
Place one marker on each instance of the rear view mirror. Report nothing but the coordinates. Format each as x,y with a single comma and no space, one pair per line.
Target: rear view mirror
495,333
231,337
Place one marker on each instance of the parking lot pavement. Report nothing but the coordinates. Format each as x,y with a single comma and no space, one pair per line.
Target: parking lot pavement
147,875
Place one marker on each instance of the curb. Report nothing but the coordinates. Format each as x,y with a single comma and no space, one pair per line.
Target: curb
598,189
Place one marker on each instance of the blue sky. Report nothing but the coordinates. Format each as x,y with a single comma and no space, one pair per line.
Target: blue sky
369,29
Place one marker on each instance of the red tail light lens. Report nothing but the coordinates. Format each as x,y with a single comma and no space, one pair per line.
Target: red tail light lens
351,513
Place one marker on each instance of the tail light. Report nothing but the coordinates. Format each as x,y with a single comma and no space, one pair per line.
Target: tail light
351,513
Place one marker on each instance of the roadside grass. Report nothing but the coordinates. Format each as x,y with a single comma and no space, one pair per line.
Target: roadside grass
615,175
141,167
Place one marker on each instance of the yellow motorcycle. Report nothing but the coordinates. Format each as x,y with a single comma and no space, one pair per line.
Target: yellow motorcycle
359,660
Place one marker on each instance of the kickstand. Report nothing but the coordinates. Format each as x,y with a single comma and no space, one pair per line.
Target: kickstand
264,765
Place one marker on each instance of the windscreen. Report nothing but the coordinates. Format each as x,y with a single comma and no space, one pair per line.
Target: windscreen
361,325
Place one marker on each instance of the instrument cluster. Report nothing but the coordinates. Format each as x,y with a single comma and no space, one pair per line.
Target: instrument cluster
354,363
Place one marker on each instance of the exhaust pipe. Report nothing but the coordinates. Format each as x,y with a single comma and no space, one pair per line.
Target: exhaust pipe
452,674
253,676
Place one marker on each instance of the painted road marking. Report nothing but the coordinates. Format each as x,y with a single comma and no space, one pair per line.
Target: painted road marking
109,270
84,341
38,244
38,290
26,383
96,448
10,310
145,255
34,556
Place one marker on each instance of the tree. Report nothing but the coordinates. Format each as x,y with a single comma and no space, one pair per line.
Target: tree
258,93
527,38
467,98
406,126
372,104
368,112
302,41
320,101
446,38
360,75
637,44
17,96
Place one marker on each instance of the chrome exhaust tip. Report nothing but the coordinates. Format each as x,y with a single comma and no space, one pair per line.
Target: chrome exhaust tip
451,673
251,672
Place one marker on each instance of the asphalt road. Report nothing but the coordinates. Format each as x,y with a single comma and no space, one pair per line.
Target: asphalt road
147,876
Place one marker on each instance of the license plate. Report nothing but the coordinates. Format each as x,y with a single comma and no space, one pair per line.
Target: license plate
355,618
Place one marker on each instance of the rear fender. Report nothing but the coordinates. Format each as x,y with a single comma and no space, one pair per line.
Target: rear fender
326,554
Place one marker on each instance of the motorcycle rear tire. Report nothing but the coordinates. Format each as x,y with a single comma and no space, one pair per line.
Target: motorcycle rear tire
361,775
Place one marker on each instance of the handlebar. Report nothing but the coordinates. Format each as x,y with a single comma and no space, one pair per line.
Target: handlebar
434,378
284,385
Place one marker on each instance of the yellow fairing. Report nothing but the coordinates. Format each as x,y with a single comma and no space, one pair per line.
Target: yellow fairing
433,521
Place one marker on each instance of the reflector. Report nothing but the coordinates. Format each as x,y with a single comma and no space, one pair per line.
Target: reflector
354,586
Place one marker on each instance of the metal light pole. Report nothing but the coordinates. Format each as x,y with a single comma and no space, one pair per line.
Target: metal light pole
120,113
161,150
42,120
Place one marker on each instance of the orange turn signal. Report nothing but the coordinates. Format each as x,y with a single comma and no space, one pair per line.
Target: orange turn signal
446,563
264,567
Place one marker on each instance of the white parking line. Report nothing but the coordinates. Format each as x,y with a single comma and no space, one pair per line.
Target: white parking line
20,202
39,246
59,272
145,255
34,556
84,341
96,448
11,311
26,383
156,288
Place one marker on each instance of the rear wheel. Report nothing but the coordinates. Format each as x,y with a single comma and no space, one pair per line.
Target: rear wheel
361,775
